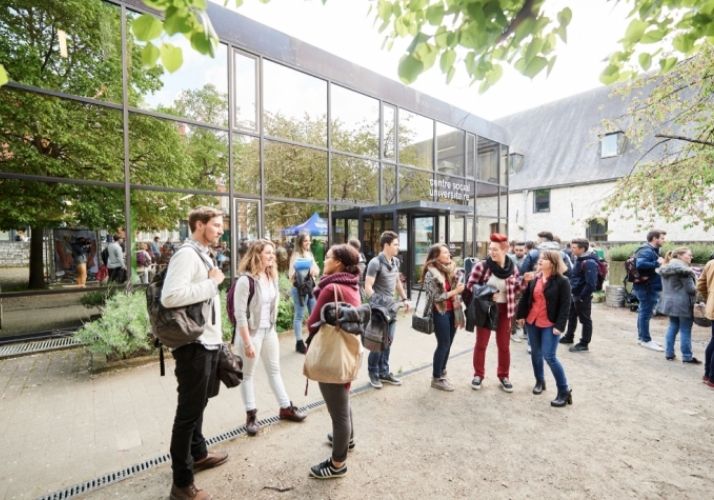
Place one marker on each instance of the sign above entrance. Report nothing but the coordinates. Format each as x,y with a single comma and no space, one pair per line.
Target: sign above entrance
445,189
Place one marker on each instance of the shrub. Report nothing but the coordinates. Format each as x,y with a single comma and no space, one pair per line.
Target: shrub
123,329
285,315
700,251
98,298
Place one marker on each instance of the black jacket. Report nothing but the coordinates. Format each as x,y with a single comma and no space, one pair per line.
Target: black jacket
557,301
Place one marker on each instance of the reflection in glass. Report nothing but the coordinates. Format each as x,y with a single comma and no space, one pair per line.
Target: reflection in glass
389,184
355,122
416,140
246,164
173,154
295,105
46,44
456,239
469,245
503,167
389,131
414,185
295,172
470,156
197,90
488,155
280,216
486,200
485,226
453,190
354,179
55,137
246,95
247,221
449,150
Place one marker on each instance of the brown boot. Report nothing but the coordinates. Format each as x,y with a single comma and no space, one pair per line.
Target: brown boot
251,426
189,492
292,413
209,461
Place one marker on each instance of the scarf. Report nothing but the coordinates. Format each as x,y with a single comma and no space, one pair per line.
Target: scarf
347,279
501,272
447,272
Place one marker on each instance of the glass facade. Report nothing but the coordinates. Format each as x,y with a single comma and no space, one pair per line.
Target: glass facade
94,148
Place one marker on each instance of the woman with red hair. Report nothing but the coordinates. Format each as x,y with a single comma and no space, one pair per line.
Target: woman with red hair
500,272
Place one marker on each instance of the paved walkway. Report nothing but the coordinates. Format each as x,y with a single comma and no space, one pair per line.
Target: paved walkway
62,426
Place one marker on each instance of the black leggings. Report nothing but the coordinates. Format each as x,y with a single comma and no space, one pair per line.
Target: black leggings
337,399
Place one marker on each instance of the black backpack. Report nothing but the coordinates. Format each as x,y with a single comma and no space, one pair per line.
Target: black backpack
304,285
633,274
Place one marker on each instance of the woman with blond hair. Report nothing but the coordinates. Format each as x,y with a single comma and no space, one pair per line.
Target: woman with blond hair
255,325
677,302
544,309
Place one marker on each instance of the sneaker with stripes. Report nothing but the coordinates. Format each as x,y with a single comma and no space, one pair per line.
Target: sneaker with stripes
325,470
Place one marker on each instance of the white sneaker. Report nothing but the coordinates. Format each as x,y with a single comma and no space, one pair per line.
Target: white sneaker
515,338
529,348
652,345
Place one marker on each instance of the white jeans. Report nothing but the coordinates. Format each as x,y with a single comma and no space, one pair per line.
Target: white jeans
266,345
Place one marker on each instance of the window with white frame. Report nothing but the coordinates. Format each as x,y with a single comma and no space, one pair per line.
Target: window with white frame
612,144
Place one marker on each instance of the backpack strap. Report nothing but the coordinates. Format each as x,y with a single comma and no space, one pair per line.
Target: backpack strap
251,292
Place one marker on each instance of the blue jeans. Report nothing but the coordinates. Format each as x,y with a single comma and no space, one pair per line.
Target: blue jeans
300,311
378,362
648,299
444,330
684,325
544,343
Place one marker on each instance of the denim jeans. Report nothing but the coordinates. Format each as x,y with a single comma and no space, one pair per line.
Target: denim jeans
444,330
709,358
544,344
648,299
299,315
378,362
683,325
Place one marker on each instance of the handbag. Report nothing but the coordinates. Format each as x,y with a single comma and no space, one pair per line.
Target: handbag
700,317
334,355
230,366
423,324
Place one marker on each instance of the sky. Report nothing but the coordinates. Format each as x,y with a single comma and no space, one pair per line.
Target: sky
344,28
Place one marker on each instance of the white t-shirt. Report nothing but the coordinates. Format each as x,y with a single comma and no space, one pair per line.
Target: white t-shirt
500,285
268,293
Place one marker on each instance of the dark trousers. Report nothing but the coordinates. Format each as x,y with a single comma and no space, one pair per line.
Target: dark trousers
581,310
444,330
709,358
195,373
337,400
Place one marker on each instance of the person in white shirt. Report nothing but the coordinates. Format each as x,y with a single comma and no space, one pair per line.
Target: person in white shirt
192,277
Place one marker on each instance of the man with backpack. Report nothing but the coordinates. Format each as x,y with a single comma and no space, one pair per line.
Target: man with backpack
648,285
379,285
583,282
191,278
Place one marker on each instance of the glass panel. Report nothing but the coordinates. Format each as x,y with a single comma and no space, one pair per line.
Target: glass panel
246,93
389,131
468,249
246,164
416,140
488,156
456,239
247,224
424,237
449,150
46,44
414,185
355,122
354,179
173,154
541,200
453,191
197,90
295,172
485,226
486,200
345,227
160,222
295,105
503,204
281,219
503,167
55,137
389,184
470,156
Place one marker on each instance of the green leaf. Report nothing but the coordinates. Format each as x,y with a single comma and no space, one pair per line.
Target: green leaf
635,30
150,54
146,27
171,57
409,68
202,43
645,61
3,75
683,43
450,74
666,64
610,74
435,14
534,48
157,4
199,4
653,36
535,66
177,23
564,17
447,60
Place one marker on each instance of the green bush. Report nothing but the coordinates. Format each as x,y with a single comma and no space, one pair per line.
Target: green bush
98,298
700,251
123,329
285,315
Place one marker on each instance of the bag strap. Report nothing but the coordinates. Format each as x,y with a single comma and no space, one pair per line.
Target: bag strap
251,292
336,289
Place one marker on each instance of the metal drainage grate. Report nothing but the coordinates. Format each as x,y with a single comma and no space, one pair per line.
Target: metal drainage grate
114,477
25,348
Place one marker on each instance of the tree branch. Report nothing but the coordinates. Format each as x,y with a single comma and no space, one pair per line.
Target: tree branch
682,138
523,14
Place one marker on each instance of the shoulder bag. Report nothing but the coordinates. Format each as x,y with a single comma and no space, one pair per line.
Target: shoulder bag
423,324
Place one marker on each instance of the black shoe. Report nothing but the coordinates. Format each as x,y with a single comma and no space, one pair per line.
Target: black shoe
539,387
300,347
390,379
693,361
326,470
670,358
351,446
564,398
566,340
579,348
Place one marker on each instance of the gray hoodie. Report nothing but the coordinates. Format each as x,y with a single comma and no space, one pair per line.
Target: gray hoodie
678,289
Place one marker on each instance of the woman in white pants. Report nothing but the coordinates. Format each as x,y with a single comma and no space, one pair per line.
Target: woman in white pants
257,338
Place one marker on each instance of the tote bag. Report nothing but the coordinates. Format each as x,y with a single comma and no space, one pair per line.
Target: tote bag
334,356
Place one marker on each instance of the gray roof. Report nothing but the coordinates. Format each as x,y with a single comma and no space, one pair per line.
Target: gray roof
560,141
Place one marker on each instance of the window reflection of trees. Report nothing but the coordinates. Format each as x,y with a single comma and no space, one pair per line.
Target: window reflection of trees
295,172
416,140
414,185
354,179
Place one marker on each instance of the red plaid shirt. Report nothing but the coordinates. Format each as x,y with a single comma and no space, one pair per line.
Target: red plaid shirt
480,274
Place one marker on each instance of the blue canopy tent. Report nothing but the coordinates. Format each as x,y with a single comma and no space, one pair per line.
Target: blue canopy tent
314,226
